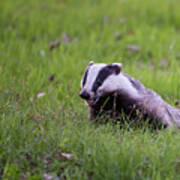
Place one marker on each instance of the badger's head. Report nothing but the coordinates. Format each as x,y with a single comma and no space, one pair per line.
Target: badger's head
99,80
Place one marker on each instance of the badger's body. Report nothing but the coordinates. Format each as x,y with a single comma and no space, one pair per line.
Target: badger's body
107,89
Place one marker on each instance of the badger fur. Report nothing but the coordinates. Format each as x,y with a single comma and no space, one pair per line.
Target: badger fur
107,89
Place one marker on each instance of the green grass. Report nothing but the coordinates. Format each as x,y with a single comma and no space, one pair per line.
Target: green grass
34,132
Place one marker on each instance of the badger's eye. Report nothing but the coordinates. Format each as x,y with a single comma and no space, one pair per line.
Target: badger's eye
97,85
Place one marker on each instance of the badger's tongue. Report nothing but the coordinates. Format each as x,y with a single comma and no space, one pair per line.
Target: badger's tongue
90,102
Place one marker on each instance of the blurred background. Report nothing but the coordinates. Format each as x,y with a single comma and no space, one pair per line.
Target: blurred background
61,36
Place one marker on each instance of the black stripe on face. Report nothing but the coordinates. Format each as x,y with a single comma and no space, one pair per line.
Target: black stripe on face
85,77
86,73
135,83
102,76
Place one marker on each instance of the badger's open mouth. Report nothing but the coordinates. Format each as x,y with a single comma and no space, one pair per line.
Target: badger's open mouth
93,102
90,102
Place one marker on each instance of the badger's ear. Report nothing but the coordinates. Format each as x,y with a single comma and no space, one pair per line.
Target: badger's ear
116,68
90,63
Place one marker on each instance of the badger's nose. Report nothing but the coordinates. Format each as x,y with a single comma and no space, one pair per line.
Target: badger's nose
84,95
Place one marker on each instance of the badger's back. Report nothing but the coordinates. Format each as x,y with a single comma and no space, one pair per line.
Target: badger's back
174,114
148,105
157,109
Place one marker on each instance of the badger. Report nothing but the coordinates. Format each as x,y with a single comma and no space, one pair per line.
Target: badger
106,88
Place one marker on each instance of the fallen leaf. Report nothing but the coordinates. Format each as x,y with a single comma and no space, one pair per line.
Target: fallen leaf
133,48
47,176
54,44
65,38
41,94
118,35
67,155
31,99
51,77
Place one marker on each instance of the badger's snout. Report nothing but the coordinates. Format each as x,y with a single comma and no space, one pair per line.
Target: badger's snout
85,95
91,99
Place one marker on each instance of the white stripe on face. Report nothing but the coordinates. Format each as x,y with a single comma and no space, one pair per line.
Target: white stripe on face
92,74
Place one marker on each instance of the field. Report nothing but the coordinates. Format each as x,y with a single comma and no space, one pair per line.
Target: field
45,47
